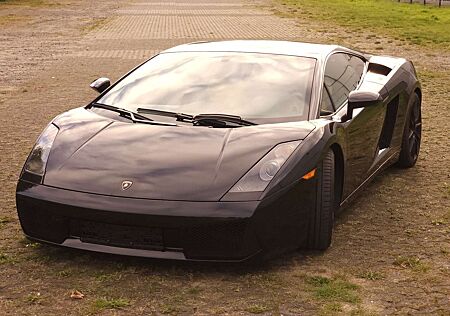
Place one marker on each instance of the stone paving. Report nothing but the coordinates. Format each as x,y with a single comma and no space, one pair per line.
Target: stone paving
132,31
144,28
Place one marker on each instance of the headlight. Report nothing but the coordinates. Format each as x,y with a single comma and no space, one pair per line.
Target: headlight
37,160
257,179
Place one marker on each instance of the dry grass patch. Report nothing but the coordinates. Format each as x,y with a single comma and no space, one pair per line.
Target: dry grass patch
13,19
28,3
371,275
5,220
110,303
257,309
336,289
95,24
411,263
34,298
4,258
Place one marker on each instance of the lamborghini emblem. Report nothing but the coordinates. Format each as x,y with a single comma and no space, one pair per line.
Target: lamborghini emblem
126,185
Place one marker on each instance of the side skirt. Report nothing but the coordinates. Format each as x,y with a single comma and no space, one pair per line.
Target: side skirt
389,161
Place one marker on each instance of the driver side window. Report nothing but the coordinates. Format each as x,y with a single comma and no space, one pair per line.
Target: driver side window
343,73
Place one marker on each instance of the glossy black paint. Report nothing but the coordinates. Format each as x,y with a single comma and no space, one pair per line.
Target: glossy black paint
95,154
181,175
225,231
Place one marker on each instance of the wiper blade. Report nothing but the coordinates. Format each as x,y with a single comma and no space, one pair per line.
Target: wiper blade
222,119
135,117
178,116
121,111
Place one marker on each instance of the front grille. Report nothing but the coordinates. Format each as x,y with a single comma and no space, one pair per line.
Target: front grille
197,238
149,238
228,235
202,240
227,238
43,224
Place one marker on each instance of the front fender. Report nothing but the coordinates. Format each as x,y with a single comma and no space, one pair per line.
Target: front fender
307,157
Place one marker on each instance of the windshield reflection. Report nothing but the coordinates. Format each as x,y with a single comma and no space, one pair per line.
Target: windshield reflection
248,85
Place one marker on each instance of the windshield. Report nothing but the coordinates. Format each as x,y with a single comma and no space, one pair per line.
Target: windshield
252,86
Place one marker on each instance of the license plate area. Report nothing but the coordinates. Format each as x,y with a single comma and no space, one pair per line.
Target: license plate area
137,237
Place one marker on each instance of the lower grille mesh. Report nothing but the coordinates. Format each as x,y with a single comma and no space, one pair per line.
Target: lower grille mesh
218,238
118,235
197,238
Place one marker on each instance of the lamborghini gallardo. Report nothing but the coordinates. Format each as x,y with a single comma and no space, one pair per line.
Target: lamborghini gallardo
221,151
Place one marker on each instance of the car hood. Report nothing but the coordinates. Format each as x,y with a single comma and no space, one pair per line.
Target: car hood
95,154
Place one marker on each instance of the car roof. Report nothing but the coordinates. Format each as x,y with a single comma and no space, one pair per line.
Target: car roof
318,51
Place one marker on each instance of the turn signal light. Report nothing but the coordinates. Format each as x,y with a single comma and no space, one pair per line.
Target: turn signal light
309,175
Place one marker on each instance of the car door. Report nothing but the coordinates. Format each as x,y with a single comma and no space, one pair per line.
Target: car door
343,74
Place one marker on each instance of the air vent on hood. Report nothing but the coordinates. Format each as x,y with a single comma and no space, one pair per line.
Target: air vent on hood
379,69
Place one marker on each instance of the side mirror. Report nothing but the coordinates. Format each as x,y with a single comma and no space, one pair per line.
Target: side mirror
361,99
100,85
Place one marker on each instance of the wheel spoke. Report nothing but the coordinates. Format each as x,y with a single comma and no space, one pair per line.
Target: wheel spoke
413,148
411,144
412,121
417,127
416,113
416,149
417,135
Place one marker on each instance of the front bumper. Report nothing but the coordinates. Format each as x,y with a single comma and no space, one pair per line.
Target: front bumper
138,227
183,230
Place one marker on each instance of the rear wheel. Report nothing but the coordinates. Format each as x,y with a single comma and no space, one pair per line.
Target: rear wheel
411,135
321,225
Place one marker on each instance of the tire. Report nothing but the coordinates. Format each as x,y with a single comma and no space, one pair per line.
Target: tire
321,224
411,135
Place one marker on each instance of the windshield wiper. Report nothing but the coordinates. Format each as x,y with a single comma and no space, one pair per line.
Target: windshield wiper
178,116
216,120
131,115
220,119
135,117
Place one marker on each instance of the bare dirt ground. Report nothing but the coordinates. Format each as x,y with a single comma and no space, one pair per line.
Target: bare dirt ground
390,252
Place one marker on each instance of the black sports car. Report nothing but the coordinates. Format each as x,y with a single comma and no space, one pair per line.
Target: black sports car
221,151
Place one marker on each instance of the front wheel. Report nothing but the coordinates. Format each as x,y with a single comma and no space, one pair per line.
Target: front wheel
411,135
321,223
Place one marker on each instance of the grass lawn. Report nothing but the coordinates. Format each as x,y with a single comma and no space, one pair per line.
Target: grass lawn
31,3
419,24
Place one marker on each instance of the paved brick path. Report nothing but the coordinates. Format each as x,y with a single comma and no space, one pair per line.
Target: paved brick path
144,28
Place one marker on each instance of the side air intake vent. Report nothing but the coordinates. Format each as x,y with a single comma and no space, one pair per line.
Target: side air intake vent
379,69
389,123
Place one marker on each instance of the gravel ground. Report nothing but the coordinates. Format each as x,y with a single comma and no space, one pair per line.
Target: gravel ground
390,252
